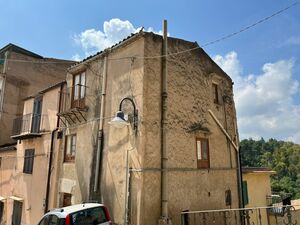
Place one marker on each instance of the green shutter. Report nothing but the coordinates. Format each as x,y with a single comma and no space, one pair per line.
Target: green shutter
245,193
1,61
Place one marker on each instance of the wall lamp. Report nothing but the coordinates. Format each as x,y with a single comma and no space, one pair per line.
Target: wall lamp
119,120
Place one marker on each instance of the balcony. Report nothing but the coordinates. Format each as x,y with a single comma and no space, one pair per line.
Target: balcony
72,108
242,216
29,126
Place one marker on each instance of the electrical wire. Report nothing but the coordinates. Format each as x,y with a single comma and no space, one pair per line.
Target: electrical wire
191,49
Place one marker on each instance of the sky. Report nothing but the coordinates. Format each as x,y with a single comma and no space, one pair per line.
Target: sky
264,61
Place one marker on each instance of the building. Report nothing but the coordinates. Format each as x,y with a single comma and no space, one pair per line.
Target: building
254,177
23,73
28,174
122,167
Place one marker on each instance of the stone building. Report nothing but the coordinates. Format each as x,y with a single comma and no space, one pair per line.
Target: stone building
122,167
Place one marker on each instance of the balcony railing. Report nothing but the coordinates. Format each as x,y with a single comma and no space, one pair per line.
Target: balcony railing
72,106
29,125
72,97
244,216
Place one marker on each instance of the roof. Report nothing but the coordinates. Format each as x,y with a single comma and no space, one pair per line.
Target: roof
8,147
63,212
91,57
18,49
258,170
194,46
52,86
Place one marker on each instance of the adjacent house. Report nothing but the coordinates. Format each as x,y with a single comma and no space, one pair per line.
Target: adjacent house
23,73
29,171
126,167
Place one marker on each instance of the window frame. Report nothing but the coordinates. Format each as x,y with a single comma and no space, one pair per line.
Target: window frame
201,162
216,93
69,157
79,89
28,161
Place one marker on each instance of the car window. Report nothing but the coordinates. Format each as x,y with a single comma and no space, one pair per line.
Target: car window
92,216
44,221
53,220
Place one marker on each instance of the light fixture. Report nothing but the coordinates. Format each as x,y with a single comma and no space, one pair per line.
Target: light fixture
119,120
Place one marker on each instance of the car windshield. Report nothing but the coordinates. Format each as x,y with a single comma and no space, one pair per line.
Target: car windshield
92,216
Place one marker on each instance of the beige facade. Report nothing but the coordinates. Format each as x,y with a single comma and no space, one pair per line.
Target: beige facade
25,177
195,86
23,73
258,189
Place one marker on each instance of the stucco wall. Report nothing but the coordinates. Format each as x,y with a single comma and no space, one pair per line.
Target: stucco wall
22,80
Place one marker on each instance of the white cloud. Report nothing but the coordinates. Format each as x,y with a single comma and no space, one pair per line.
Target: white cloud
114,30
76,57
264,102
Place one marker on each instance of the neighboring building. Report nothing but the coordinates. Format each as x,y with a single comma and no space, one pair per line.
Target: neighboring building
28,172
257,190
202,162
23,73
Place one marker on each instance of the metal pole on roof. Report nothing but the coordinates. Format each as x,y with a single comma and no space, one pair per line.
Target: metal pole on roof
164,219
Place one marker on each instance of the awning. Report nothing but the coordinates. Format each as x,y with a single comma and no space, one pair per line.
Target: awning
16,198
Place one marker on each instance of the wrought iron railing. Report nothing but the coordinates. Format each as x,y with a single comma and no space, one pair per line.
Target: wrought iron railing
72,97
244,216
30,124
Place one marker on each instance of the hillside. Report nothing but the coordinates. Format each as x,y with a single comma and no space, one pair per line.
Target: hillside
282,157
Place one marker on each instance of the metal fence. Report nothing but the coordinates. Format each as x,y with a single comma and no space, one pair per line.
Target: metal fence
30,123
286,215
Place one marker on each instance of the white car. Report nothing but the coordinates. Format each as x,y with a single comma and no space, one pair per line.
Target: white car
80,214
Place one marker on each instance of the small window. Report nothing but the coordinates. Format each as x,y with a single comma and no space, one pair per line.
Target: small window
216,93
28,161
67,199
245,193
202,152
228,200
70,148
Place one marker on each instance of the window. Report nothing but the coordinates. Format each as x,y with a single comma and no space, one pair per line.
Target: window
228,200
67,199
202,153
78,90
1,211
28,161
216,93
70,148
245,193
17,213
1,90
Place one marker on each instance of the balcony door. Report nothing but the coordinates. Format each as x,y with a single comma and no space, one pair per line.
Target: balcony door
78,91
36,115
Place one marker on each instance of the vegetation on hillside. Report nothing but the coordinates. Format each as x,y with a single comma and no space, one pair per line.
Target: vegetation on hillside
282,157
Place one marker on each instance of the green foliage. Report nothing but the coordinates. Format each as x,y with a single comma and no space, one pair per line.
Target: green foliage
282,157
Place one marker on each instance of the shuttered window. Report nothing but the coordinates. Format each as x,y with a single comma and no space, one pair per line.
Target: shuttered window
28,161
245,193
202,152
17,213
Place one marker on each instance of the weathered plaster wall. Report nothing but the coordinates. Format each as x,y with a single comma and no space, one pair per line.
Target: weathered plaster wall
22,80
190,77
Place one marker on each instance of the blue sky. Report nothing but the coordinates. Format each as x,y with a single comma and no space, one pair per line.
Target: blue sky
263,61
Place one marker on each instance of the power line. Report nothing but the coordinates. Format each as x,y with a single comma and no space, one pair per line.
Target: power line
191,49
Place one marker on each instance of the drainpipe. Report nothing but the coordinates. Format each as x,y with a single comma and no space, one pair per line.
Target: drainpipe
51,155
100,131
164,158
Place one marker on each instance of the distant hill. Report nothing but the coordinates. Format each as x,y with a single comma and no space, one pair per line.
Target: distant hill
282,157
